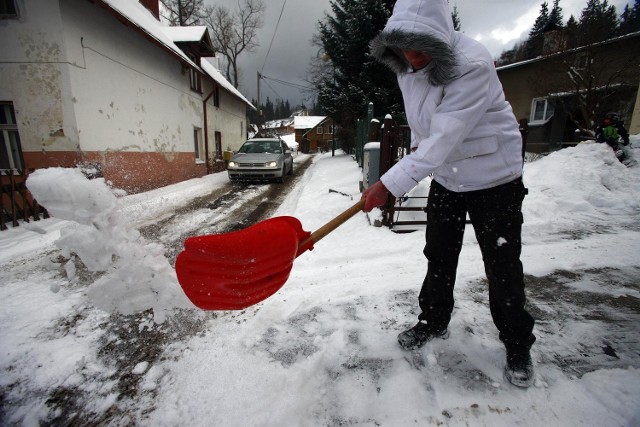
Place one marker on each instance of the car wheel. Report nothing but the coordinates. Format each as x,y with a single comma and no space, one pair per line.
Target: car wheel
281,178
291,170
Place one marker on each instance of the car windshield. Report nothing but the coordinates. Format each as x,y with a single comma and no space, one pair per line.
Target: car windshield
261,147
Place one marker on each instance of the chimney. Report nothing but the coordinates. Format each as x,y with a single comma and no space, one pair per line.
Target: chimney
554,39
153,6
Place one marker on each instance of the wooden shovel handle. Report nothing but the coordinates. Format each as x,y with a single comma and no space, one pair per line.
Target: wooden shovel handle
333,224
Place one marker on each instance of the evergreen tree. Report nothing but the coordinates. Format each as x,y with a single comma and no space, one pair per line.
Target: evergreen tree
536,35
287,107
268,111
351,78
630,19
572,29
555,16
598,22
516,54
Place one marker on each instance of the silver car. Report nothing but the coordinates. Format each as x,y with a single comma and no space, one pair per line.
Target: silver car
261,159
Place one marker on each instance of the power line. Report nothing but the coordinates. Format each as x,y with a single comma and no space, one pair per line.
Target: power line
285,83
274,35
274,91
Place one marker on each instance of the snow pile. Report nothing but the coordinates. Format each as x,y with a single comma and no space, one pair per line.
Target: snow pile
577,185
137,275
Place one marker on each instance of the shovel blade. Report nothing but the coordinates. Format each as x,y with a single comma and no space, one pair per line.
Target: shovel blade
236,270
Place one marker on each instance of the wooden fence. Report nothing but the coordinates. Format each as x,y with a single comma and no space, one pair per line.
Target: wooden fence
395,144
17,201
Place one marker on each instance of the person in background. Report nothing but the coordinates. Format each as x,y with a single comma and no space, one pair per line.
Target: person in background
612,132
465,134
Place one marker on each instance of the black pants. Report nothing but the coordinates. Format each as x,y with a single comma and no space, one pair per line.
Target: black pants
496,215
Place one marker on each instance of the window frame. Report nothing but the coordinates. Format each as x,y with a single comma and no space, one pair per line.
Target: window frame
216,95
319,130
217,138
11,14
195,79
545,111
198,145
10,146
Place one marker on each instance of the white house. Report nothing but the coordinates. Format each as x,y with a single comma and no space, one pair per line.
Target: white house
105,83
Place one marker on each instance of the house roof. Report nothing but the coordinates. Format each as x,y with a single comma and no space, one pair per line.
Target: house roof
139,16
279,123
197,37
307,122
186,34
143,21
219,78
574,50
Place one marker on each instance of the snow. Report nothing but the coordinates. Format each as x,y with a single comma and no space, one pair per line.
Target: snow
290,140
140,16
322,350
211,69
307,122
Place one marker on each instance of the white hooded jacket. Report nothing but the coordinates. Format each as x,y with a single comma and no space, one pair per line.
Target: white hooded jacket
463,129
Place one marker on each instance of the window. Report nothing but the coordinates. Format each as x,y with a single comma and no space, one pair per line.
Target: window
329,129
194,77
320,130
216,96
198,145
541,111
218,139
8,9
582,61
10,148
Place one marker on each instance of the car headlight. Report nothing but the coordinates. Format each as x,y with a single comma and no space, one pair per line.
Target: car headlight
233,164
272,164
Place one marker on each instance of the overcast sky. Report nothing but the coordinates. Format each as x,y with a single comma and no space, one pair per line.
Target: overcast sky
496,23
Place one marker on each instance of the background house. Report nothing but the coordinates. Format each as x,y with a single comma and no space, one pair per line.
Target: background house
279,126
314,133
105,84
562,94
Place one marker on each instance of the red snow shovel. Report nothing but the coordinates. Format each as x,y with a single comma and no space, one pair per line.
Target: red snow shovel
235,270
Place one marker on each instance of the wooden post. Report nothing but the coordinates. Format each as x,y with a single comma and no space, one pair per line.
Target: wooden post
386,148
374,130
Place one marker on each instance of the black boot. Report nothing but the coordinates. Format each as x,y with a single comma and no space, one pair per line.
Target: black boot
519,368
419,335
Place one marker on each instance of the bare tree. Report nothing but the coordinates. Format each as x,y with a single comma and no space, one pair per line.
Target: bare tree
183,12
588,81
234,33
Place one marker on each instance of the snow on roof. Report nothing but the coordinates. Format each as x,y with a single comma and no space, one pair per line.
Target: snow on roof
185,34
563,52
307,122
140,16
278,123
219,78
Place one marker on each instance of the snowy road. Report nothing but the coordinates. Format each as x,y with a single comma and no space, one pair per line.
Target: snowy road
322,351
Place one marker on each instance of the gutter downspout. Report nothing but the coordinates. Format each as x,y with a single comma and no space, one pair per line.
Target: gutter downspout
206,129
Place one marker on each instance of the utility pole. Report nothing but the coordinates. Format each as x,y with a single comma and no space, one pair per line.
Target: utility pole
259,109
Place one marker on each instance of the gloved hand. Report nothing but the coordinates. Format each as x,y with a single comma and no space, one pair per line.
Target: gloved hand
376,195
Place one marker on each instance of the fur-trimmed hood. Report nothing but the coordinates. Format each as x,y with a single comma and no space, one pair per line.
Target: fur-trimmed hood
422,25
